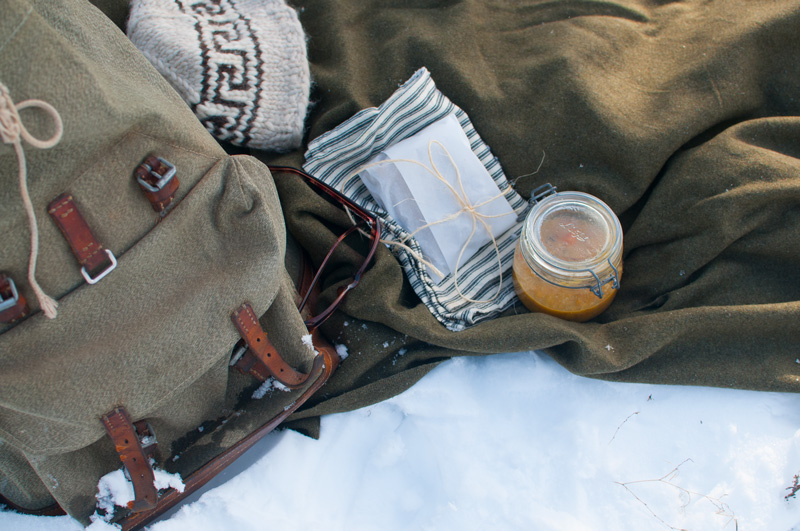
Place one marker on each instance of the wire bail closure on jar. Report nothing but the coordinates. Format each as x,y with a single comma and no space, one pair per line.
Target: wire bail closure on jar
537,195
597,289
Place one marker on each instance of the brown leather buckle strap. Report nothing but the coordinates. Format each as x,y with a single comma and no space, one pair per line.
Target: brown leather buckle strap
157,179
96,261
13,306
261,358
134,447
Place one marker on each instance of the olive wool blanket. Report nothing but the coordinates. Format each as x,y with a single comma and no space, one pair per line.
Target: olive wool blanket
683,116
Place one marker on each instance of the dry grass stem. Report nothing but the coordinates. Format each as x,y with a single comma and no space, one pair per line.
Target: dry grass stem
722,508
621,424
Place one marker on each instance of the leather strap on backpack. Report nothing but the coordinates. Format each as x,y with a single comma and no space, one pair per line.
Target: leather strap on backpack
96,261
157,179
262,358
134,456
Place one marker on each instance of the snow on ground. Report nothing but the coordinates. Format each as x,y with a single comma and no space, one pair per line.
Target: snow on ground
514,442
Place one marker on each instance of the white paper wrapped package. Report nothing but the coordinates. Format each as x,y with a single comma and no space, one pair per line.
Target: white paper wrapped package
483,287
435,187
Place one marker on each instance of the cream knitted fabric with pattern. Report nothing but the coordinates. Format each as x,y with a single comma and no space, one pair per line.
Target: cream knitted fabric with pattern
240,64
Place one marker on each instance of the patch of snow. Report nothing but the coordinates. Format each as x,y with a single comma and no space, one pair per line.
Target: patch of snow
98,524
557,452
263,389
114,489
269,384
341,350
165,480
309,342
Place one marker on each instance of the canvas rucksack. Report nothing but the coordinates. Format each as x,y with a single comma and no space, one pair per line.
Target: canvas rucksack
163,253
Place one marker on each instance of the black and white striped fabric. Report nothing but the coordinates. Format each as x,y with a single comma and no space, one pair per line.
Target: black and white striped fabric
336,156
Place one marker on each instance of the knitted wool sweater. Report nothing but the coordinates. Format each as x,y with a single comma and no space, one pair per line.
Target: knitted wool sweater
240,64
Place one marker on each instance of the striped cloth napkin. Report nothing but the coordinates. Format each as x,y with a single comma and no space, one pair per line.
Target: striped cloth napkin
337,155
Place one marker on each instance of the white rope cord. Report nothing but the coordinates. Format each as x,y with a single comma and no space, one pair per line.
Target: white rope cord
12,131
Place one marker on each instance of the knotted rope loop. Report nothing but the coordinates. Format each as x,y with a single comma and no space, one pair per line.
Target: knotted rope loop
13,131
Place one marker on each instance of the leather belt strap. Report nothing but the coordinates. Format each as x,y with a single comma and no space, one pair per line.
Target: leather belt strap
243,358
96,261
13,306
134,458
157,179
261,348
248,363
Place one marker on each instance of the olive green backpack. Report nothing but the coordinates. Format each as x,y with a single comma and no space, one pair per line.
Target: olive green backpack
160,251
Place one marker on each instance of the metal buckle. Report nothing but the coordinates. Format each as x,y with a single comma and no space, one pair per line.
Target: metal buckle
104,273
147,436
159,180
10,302
238,351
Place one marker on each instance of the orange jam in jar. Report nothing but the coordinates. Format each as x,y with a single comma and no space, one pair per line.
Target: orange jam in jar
568,260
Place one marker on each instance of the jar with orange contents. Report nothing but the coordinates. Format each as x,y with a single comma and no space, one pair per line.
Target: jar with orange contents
568,260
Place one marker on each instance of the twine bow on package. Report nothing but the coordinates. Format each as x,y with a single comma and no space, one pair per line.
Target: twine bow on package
449,214
434,186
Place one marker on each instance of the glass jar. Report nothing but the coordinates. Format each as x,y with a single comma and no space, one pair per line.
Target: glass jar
568,260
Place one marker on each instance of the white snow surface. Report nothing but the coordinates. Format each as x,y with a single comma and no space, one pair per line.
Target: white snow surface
514,442
115,489
342,351
309,342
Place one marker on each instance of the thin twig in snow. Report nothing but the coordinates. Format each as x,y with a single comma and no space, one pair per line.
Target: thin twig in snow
620,425
794,488
723,509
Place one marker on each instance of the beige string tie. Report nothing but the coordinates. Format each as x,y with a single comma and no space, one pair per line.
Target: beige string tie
466,208
12,131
